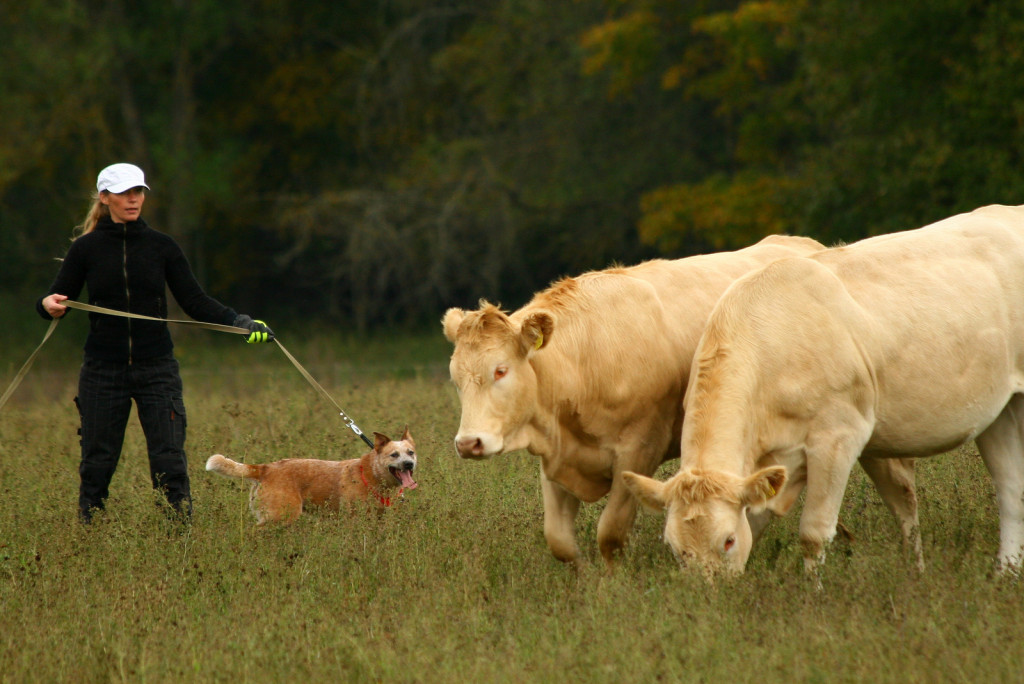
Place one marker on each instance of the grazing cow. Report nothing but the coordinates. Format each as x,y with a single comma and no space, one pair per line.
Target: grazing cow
590,376
903,345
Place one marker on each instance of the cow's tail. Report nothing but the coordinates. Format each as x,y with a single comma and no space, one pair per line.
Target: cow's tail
222,465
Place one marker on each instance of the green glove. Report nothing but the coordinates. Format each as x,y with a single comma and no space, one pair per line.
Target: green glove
258,330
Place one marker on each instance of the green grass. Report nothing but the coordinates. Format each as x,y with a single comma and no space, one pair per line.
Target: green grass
455,583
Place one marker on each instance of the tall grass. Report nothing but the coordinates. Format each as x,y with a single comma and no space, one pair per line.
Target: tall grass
455,583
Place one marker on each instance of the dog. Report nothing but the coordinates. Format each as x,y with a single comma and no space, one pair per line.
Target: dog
281,488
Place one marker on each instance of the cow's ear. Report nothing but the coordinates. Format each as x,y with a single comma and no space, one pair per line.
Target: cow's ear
763,485
536,331
452,318
647,490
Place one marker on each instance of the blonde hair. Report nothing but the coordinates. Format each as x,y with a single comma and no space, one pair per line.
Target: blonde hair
96,211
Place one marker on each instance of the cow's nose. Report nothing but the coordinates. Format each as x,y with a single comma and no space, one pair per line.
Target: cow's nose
469,446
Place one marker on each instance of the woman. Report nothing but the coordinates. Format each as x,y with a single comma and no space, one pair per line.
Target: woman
128,266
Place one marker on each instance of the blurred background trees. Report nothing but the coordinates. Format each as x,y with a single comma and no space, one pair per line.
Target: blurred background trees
372,163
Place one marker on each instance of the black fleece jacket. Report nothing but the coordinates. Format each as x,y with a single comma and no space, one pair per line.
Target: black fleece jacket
129,267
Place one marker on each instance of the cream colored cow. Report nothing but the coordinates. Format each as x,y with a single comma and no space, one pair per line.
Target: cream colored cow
903,345
589,376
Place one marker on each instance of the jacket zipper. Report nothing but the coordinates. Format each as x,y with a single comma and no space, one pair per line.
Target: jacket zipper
127,292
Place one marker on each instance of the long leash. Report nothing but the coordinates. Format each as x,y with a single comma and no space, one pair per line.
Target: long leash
344,417
199,324
28,364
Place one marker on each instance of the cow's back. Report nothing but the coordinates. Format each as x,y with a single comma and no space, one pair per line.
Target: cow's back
627,336
689,288
921,332
946,321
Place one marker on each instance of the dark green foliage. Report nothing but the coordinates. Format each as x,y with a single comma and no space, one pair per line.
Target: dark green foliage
375,163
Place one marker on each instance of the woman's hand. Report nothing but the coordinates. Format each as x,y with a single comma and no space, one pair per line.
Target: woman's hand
53,306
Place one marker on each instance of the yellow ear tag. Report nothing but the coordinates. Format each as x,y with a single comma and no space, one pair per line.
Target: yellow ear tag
539,342
771,491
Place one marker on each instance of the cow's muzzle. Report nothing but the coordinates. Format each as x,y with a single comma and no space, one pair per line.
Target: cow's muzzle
470,446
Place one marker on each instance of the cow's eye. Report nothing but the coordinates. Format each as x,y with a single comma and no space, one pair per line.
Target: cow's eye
500,372
729,542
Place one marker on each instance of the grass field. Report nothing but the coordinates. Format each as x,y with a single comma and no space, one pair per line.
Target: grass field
455,583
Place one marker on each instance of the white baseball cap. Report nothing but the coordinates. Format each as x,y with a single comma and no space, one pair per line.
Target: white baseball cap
120,177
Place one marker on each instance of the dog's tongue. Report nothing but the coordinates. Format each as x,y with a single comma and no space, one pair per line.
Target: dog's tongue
407,482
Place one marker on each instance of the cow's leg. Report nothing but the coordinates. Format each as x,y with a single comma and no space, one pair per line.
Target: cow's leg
560,509
1002,447
894,480
616,521
830,459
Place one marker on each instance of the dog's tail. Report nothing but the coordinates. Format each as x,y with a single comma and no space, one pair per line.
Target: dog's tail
222,465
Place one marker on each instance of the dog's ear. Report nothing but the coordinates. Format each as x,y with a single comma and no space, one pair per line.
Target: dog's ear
379,441
407,437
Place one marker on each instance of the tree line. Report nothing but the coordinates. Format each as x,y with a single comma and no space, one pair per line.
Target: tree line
372,163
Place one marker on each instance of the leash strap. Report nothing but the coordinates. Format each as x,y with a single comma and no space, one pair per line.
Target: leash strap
70,303
199,324
28,364
309,378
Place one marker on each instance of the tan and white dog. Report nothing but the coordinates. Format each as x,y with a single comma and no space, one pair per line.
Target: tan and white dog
281,489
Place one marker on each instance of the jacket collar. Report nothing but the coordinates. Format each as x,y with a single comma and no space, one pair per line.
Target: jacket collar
131,228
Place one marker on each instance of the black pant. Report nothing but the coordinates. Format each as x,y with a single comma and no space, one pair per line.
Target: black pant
105,393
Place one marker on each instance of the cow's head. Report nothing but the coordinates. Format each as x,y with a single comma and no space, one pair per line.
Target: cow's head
491,369
706,512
